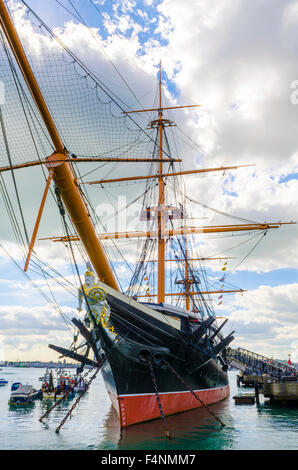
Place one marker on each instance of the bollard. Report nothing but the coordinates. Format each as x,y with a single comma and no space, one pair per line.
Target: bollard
257,393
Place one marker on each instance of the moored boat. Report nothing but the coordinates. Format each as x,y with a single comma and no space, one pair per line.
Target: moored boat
15,386
64,386
23,395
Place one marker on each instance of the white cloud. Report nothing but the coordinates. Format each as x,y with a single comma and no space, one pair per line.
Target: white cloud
265,320
219,54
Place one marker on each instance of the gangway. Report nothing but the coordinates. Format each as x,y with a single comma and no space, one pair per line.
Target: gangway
252,363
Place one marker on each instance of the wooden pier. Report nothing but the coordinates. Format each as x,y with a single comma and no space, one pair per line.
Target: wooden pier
249,380
282,392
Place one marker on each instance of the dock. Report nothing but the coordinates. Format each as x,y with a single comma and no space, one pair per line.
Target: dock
244,399
274,379
284,392
249,380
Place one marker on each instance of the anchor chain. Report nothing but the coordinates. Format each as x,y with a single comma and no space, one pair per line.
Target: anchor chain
193,393
62,398
158,398
68,414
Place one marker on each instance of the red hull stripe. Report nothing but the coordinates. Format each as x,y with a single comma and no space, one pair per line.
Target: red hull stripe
134,409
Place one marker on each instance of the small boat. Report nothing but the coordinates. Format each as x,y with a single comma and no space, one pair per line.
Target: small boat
15,386
64,383
81,386
23,395
3,382
56,394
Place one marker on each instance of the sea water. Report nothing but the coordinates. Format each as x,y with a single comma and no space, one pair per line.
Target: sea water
94,423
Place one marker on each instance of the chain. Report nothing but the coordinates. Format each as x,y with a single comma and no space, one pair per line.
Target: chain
68,414
158,399
193,393
62,398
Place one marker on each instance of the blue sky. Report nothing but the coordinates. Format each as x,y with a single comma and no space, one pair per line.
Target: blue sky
218,54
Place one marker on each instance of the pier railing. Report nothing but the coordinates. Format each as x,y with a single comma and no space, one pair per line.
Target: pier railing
251,362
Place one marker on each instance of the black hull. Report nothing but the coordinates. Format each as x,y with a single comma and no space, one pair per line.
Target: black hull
181,359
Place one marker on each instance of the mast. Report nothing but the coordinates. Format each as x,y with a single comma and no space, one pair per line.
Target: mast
186,275
161,200
63,174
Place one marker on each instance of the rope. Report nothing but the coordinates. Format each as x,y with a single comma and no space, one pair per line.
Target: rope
158,399
193,393
62,213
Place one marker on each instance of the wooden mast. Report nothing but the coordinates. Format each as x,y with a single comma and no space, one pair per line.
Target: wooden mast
161,200
62,171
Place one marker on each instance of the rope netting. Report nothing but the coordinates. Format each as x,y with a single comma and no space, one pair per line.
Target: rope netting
88,116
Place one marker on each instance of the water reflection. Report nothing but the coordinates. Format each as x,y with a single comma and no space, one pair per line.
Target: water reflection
95,424
195,429
20,410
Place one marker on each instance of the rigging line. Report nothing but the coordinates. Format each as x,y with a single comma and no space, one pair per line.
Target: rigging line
62,213
19,87
140,262
190,270
12,174
14,228
171,114
146,322
143,334
91,74
238,244
56,307
12,217
18,84
262,235
218,211
56,280
85,195
96,7
21,91
30,110
197,147
49,287
107,57
106,219
92,171
65,8
17,80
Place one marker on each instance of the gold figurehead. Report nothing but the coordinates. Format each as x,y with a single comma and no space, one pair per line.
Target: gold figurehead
95,296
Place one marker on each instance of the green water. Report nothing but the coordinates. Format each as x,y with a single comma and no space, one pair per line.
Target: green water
94,424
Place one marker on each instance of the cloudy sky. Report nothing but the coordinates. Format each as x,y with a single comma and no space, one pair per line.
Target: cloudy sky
237,59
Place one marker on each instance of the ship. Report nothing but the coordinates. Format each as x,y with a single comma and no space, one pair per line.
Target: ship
161,349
